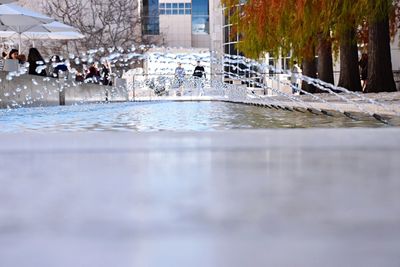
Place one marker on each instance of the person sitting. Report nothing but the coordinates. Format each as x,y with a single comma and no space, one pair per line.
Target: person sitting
11,63
37,64
2,59
13,54
79,77
58,66
21,59
93,76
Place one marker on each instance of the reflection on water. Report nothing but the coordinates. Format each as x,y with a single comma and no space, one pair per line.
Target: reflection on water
166,116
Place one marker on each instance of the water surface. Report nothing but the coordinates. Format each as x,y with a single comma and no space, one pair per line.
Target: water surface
167,116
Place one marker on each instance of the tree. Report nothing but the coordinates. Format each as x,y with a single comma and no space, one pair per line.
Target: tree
304,25
380,74
279,26
325,60
349,70
347,15
105,23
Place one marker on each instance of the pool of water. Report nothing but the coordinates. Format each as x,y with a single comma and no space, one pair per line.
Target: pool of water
167,116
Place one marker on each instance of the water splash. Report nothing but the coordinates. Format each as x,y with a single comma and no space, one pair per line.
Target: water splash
163,79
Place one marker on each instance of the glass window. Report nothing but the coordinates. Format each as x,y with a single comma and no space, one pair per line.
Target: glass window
168,5
188,5
200,17
162,5
226,34
168,12
162,11
175,5
200,7
200,24
175,11
181,11
188,11
150,14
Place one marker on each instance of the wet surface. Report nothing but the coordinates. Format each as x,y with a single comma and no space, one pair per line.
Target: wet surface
169,116
236,198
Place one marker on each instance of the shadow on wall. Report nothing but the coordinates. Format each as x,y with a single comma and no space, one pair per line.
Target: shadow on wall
35,91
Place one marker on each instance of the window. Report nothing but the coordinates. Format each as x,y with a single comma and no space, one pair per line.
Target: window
151,22
175,8
200,17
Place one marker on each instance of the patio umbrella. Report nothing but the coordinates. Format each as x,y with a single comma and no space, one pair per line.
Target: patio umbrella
49,31
19,19
53,31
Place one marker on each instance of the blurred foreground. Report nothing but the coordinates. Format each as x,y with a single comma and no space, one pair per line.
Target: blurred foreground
239,198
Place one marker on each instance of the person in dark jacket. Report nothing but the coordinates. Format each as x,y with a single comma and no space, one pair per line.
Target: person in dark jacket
198,74
37,65
106,74
199,71
58,66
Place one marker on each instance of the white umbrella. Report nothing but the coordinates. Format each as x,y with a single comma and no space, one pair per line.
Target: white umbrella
53,35
54,31
30,35
50,31
19,19
54,26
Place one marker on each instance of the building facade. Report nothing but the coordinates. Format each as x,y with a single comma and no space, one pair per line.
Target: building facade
178,23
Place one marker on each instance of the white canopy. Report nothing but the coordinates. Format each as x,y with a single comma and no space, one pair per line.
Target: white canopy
43,35
19,19
53,31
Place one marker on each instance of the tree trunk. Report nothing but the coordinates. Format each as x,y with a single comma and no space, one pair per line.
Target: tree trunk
380,73
349,71
309,70
325,62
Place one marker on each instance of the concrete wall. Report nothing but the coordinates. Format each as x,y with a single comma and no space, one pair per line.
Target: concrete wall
35,91
201,40
176,30
216,36
28,91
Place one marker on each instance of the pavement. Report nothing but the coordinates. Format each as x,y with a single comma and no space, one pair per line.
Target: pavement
314,197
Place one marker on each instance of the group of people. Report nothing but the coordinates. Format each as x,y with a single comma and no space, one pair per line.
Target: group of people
97,75
13,61
198,73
